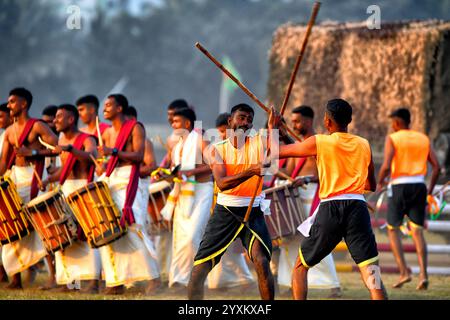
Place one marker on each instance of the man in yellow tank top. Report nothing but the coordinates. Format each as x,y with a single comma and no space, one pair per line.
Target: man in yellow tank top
346,171
406,155
236,166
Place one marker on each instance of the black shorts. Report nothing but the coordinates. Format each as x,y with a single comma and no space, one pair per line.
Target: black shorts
223,228
337,219
407,199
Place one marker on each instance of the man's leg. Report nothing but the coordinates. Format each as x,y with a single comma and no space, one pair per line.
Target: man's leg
371,277
16,282
299,281
397,250
196,285
421,248
51,282
262,267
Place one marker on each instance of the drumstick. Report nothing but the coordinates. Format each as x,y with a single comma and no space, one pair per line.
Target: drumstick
99,133
41,185
45,144
160,140
95,162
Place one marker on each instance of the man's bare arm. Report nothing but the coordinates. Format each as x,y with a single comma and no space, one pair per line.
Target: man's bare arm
436,169
306,148
389,152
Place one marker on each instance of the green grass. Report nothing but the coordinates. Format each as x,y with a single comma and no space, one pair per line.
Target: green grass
351,285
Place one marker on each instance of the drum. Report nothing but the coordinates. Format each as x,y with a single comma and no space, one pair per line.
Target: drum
13,222
286,211
53,220
158,193
96,213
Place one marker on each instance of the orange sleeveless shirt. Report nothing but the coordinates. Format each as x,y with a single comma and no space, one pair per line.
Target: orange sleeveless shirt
411,153
342,162
239,160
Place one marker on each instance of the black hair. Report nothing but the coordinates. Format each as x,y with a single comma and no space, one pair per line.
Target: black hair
23,93
121,100
70,108
4,108
242,107
305,111
131,111
178,104
340,111
403,114
50,111
187,113
89,99
222,119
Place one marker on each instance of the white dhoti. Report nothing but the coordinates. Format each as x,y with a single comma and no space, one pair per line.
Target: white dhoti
79,261
321,276
22,254
188,229
132,257
232,270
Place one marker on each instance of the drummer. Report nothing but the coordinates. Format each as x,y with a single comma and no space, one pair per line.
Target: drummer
236,168
304,170
88,112
5,121
128,259
75,148
21,148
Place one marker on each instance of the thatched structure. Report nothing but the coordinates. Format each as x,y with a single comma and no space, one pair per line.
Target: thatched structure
402,64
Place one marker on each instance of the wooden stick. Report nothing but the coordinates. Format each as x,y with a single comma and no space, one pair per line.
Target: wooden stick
160,140
37,177
95,162
45,144
240,85
99,133
311,22
250,206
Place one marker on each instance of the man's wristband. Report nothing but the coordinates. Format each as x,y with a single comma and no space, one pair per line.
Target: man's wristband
34,153
69,148
115,152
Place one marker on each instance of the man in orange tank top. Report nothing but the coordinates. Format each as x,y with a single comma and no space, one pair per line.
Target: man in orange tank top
406,155
236,167
346,171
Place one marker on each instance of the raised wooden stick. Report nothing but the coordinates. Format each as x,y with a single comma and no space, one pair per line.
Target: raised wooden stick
37,177
99,132
240,85
311,22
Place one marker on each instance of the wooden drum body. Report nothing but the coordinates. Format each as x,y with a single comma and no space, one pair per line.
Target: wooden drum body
96,213
53,220
287,211
13,222
158,193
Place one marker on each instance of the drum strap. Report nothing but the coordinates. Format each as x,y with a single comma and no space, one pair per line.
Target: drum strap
39,164
122,138
71,160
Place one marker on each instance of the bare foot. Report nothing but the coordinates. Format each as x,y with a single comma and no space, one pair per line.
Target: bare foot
16,282
335,293
423,284
51,284
402,281
92,287
117,290
30,275
60,289
154,287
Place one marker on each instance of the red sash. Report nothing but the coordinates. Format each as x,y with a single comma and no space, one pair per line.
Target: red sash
132,187
38,164
71,159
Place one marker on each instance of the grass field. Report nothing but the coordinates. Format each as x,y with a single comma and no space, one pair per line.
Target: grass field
351,285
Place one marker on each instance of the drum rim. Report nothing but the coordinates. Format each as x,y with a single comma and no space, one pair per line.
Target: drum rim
88,187
157,185
43,197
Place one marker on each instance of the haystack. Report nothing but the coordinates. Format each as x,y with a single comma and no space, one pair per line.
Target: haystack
402,64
